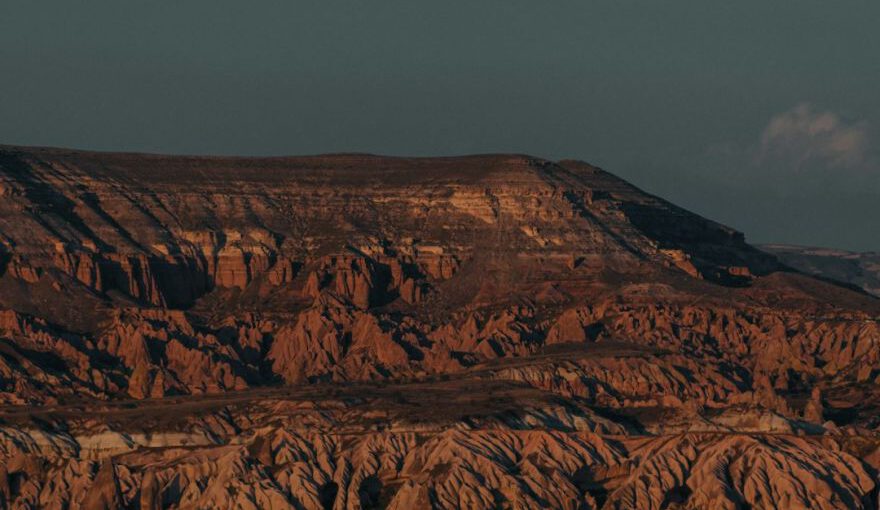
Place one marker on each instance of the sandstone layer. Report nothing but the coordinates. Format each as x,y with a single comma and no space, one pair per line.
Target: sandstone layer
355,331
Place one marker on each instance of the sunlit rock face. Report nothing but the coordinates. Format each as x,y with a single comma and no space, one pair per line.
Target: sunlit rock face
355,331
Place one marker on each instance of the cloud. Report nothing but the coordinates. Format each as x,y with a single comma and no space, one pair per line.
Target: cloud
803,151
804,176
804,138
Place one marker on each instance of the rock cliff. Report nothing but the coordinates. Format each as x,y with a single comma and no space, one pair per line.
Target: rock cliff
356,331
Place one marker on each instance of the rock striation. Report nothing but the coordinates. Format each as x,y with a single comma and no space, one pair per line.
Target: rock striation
356,331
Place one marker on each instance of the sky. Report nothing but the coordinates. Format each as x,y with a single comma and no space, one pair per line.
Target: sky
761,114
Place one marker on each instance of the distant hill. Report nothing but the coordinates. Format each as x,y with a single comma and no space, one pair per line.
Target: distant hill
860,269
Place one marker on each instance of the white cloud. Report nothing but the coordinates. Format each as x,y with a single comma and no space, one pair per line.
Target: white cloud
803,137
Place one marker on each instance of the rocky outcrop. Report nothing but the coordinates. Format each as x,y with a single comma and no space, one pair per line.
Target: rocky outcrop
278,467
708,471
355,331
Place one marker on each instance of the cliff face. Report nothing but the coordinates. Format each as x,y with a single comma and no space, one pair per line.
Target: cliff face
596,306
348,267
166,231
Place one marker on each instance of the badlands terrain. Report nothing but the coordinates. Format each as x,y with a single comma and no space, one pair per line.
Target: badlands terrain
354,331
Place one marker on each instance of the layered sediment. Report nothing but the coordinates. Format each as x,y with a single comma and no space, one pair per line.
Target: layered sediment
285,326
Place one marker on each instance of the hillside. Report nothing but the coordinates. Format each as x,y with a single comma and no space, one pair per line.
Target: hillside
358,331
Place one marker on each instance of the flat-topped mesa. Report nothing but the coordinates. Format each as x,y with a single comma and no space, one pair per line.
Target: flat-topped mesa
165,230
355,331
354,267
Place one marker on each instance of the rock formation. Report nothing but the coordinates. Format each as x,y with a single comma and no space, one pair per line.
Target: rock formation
356,331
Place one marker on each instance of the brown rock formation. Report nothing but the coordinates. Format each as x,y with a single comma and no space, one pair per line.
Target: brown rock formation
355,331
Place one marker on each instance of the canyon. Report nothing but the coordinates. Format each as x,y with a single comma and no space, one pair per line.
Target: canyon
358,331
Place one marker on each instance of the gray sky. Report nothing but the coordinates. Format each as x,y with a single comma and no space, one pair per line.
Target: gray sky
759,114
